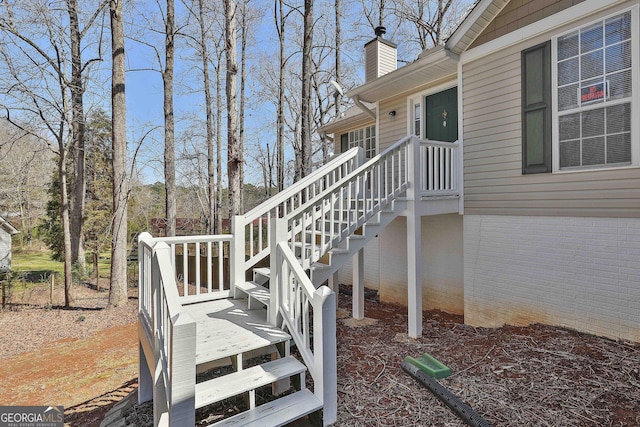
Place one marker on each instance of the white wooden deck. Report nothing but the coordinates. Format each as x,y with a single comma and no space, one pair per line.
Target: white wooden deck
226,328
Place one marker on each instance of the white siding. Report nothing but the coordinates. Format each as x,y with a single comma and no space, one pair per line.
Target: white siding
581,273
494,183
5,250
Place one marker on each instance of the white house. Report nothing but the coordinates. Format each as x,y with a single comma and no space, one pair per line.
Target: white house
6,233
540,95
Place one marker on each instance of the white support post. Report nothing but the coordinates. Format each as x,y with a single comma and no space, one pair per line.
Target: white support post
237,253
334,285
145,379
414,242
326,385
278,233
182,410
358,285
414,271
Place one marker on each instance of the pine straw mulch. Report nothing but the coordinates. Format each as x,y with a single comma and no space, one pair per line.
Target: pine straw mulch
512,376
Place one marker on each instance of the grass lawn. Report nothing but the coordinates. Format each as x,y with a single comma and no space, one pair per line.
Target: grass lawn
35,264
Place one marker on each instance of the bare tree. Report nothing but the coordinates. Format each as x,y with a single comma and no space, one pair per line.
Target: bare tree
198,10
307,44
77,89
39,90
118,289
234,153
169,121
23,186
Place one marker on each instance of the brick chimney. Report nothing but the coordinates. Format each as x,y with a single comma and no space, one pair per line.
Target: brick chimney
380,56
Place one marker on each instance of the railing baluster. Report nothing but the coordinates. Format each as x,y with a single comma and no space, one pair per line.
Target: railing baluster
209,267
197,272
185,269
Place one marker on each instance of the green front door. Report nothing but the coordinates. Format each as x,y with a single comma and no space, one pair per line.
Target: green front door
442,115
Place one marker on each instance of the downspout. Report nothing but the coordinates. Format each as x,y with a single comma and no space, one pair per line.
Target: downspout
362,107
461,409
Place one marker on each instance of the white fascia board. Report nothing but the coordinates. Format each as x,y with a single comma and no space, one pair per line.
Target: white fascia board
465,27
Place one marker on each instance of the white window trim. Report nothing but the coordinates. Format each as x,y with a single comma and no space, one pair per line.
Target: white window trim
635,97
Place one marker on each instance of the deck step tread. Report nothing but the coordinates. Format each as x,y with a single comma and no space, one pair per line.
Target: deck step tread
234,384
255,292
263,271
276,413
225,328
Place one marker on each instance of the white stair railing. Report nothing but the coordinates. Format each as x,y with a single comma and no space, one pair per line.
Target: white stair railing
252,229
349,203
309,315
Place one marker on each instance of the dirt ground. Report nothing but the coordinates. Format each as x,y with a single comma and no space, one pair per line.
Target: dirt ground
85,359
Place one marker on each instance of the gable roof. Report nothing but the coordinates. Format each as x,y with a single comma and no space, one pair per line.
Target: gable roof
476,21
7,226
435,63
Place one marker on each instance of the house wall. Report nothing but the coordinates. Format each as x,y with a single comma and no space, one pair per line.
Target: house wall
519,13
581,273
555,248
494,183
5,250
391,130
371,266
442,267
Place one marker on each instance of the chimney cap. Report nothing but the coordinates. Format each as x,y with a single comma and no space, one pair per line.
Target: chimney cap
380,31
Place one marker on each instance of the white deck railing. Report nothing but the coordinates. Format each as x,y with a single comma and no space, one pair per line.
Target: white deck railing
173,335
254,226
438,168
309,315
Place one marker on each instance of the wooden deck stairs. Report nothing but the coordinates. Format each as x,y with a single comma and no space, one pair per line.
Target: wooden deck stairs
219,314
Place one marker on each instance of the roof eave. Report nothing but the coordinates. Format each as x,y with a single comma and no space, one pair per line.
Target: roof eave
436,64
8,227
474,24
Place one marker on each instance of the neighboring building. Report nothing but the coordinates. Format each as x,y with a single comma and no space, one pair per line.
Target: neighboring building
6,233
541,96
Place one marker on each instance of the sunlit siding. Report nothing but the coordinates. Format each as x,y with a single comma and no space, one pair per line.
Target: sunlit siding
392,129
494,183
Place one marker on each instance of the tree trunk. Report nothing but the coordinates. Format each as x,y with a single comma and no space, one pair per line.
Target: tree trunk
243,78
280,121
209,123
169,143
306,89
78,188
219,149
66,232
234,153
118,290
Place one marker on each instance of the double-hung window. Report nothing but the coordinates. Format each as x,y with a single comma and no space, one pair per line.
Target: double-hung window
594,79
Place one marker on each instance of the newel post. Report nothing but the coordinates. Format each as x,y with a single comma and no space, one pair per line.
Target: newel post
325,353
413,169
182,409
145,308
238,253
278,233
